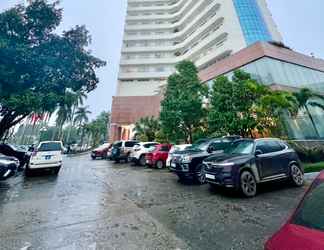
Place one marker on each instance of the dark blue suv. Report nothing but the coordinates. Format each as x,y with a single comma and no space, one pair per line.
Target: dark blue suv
248,162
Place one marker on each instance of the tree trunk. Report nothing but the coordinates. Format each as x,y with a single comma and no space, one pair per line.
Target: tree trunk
190,135
313,122
71,125
8,121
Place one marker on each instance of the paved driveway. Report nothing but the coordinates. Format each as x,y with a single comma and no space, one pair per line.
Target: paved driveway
102,205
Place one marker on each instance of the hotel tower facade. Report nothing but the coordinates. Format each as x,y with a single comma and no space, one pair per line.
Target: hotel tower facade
160,33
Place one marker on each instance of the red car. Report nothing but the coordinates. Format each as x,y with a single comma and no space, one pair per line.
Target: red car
101,151
158,156
305,229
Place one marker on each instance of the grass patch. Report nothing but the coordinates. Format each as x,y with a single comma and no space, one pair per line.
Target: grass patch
314,167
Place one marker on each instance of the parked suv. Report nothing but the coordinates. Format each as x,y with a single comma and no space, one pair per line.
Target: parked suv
158,155
139,151
248,162
47,156
121,150
188,163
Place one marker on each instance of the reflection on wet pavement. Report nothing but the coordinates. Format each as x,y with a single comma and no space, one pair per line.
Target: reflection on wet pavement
102,205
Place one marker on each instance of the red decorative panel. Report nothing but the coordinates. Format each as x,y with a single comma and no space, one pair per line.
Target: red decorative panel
129,109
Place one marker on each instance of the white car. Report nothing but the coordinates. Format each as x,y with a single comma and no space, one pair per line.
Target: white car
47,155
139,151
174,149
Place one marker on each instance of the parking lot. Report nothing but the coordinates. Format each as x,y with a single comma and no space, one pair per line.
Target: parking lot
102,205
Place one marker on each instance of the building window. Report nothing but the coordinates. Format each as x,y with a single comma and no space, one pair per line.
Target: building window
252,22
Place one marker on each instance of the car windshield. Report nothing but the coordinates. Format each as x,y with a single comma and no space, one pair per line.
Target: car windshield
199,147
311,212
50,146
152,148
240,147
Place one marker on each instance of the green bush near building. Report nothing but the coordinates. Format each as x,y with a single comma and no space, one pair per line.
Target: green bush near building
314,167
309,154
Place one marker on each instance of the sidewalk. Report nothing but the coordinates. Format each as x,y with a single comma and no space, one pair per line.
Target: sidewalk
310,176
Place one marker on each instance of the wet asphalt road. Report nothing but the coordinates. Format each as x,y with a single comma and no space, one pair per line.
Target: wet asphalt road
102,205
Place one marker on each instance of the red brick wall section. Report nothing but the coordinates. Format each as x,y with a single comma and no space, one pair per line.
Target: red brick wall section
129,109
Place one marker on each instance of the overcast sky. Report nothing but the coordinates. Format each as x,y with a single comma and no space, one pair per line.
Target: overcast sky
300,23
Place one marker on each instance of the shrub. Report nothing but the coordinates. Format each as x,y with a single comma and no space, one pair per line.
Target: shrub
309,154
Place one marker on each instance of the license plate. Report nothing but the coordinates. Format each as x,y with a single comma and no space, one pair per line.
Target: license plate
174,165
209,176
48,157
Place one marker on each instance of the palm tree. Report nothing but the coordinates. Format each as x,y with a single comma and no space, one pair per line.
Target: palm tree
78,97
146,128
82,117
64,112
306,98
63,115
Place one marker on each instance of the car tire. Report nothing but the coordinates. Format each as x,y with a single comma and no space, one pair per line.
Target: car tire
200,176
142,161
248,184
296,175
93,157
159,164
57,170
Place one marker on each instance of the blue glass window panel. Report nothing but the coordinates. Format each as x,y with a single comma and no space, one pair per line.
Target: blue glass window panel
252,22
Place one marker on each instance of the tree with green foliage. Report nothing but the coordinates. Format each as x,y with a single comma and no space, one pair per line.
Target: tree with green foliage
79,97
182,108
82,115
147,129
98,128
306,98
242,105
82,118
38,66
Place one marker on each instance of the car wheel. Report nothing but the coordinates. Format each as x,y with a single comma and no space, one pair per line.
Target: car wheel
93,157
248,184
296,175
142,160
159,164
200,174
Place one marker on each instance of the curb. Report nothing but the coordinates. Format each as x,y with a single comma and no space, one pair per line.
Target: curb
311,176
78,154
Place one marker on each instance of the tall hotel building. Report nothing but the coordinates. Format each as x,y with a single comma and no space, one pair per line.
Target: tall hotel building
160,33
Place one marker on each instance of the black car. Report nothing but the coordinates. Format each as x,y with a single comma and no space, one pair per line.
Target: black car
248,162
10,150
8,166
187,164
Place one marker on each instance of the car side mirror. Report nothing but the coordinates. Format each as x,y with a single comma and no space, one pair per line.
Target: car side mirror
258,152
